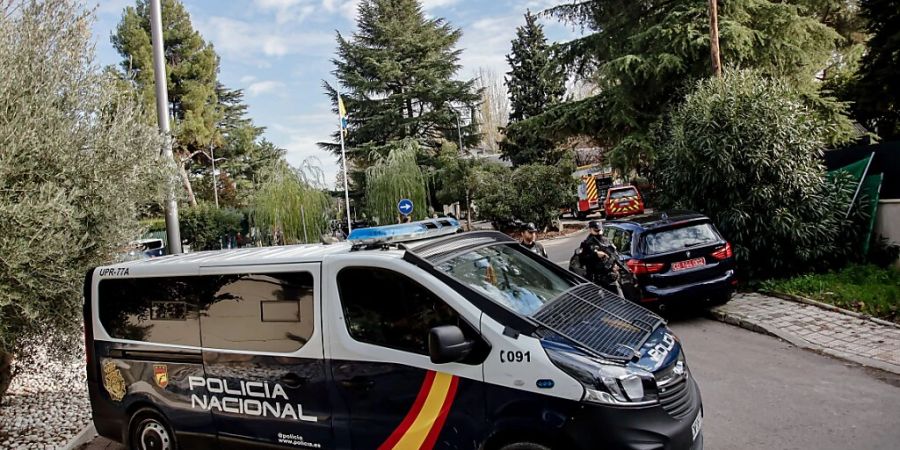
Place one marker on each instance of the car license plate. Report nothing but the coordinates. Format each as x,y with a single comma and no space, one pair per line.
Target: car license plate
695,427
625,203
689,264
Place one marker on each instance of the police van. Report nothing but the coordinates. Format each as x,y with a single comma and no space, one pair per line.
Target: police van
410,336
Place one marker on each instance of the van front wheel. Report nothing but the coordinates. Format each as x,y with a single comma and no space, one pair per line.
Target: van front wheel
525,446
149,431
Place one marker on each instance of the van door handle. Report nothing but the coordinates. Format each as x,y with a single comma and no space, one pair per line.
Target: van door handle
293,381
359,383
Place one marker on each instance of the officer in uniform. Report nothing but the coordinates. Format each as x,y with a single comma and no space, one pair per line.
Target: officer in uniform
599,258
529,240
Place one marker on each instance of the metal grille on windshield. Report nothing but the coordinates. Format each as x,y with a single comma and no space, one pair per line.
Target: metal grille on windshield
599,321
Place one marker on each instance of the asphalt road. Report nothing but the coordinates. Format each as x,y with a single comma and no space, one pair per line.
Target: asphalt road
763,393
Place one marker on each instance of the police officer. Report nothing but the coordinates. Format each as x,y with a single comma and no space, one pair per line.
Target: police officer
529,240
599,258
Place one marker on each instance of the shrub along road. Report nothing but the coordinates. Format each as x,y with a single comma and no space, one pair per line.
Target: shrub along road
763,393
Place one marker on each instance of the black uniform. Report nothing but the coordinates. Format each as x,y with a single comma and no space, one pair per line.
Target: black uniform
600,271
535,247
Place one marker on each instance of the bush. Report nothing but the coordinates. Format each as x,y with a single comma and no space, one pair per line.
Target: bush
746,151
530,193
76,162
205,227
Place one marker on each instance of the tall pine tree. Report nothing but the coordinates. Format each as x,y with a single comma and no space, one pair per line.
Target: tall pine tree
192,67
396,77
535,81
876,93
642,53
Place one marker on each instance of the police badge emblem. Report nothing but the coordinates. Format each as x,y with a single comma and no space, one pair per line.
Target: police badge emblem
161,375
113,381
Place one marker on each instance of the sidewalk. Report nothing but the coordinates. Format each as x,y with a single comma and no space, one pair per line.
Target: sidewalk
840,335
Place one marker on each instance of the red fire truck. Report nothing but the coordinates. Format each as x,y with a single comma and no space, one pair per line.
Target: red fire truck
594,181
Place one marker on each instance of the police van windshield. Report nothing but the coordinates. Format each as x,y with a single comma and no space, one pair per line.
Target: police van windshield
508,277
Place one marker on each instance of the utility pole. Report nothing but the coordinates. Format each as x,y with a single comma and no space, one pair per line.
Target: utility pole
212,157
714,38
462,154
173,230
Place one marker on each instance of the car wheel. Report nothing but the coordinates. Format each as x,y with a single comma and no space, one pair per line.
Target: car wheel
149,431
524,446
720,299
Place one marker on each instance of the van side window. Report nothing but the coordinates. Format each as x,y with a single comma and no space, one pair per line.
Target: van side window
385,308
258,313
158,310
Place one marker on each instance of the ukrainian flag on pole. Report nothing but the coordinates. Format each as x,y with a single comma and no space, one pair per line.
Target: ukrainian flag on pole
342,111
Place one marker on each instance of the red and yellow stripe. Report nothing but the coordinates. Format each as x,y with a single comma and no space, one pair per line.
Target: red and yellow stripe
422,424
590,187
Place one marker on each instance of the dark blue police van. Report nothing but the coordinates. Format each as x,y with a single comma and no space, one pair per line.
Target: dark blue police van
409,336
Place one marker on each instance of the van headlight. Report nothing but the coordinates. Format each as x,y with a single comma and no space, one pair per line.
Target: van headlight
607,384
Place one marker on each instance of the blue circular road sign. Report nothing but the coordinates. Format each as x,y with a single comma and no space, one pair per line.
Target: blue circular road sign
405,206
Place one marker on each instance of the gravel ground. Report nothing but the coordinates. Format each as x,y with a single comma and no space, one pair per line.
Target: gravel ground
46,405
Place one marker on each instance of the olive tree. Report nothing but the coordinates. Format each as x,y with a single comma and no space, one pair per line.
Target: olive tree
746,150
76,163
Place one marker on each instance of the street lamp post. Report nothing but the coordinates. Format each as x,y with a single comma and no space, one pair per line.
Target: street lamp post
173,231
462,152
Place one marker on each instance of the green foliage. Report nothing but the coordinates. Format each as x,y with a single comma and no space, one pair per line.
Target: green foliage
746,151
191,67
641,54
530,193
876,93
290,208
205,227
392,178
535,81
868,289
396,79
76,163
154,224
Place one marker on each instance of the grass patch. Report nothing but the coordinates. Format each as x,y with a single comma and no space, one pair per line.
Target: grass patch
867,289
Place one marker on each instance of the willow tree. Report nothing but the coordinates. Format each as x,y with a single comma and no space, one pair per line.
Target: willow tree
290,207
394,177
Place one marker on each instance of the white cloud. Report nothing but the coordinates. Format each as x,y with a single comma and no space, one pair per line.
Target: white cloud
246,41
247,79
288,10
486,43
302,132
263,87
433,4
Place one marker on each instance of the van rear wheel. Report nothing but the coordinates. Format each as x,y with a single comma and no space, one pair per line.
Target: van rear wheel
525,446
149,431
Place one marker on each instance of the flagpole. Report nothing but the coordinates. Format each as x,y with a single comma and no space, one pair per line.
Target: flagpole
344,165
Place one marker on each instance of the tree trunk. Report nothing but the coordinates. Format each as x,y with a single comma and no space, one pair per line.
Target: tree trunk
187,185
6,372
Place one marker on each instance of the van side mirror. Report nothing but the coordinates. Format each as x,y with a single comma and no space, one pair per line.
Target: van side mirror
447,344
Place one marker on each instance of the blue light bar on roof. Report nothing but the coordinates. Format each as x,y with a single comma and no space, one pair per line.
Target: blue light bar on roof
404,232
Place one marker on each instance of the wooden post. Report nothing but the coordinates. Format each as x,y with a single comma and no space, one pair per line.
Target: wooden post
714,38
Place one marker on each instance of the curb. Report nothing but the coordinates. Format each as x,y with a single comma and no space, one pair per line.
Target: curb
799,342
87,434
826,306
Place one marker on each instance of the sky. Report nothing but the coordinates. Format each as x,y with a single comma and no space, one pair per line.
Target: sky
280,51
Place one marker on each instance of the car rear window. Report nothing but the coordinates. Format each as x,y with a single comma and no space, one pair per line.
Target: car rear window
679,238
622,193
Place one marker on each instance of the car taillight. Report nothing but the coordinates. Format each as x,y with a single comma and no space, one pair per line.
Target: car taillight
724,252
642,268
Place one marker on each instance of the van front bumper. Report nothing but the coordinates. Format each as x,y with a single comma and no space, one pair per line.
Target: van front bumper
650,428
